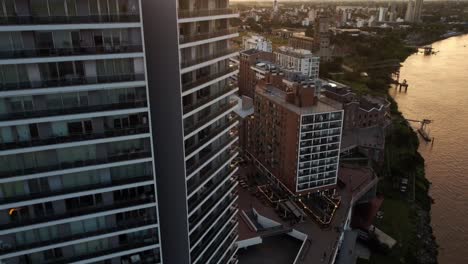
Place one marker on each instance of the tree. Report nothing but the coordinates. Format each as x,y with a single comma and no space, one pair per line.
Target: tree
310,32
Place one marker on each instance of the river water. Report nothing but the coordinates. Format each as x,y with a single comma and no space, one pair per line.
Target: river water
438,90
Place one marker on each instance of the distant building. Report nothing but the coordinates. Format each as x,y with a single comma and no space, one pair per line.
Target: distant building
382,14
322,38
295,133
283,33
372,22
409,16
418,10
257,42
360,23
299,60
300,41
360,112
312,15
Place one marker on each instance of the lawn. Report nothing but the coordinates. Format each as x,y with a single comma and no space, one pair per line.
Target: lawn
399,223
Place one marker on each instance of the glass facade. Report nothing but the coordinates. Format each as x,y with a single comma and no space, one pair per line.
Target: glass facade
76,177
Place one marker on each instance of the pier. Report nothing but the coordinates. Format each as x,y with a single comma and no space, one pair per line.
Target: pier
422,130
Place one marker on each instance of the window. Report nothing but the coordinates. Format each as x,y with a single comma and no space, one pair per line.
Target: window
53,253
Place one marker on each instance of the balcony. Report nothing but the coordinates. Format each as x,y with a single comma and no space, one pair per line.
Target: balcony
204,157
221,184
184,39
49,20
50,194
109,133
205,79
183,13
132,244
189,128
229,197
72,110
213,133
208,229
187,62
131,155
226,256
124,225
204,175
222,243
74,51
147,198
71,81
205,100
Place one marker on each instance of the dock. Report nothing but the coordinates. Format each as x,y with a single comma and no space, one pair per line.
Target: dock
422,130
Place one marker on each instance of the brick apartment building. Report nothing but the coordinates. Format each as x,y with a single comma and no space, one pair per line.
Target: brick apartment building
295,133
247,79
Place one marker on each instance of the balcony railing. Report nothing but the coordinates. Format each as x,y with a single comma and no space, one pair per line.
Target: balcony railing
214,132
202,36
205,226
38,20
53,52
39,195
189,128
146,198
187,62
210,203
133,242
209,188
184,13
72,110
204,100
124,225
206,156
216,244
73,138
192,184
71,80
131,155
205,79
225,247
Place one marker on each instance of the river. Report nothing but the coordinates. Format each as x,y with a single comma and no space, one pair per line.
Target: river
438,90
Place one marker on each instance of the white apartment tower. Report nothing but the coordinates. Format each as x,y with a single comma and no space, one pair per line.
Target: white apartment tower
418,10
409,15
190,93
77,181
298,60
257,42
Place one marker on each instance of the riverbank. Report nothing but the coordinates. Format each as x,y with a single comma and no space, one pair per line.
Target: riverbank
406,214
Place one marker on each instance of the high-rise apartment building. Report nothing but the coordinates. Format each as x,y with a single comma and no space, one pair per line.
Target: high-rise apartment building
409,15
77,183
295,133
299,60
190,93
418,10
322,37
